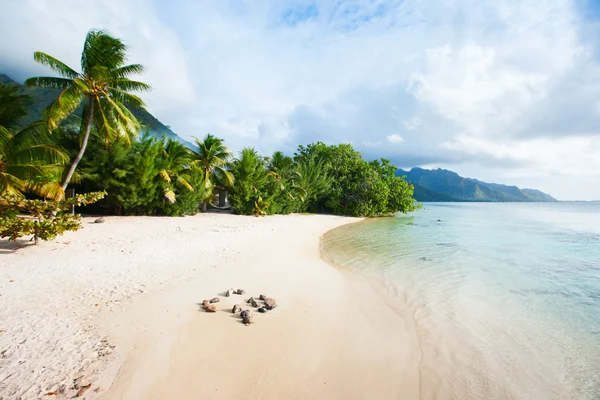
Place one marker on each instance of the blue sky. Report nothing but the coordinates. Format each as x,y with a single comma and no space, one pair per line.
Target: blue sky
505,91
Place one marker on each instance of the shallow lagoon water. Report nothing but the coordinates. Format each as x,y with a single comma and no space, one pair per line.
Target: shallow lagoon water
504,298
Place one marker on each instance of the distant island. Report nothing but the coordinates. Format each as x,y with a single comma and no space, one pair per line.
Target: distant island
443,185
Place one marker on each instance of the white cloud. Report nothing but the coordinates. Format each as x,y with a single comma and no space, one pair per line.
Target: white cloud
395,139
507,89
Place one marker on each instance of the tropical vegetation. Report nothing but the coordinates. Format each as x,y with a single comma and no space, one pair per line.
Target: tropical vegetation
102,88
89,139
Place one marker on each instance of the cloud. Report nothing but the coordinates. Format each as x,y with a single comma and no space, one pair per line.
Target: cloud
394,139
503,90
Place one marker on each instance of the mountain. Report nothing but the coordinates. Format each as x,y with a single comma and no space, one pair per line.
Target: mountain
444,185
42,97
423,194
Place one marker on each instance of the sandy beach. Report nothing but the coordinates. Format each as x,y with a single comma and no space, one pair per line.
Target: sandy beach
115,305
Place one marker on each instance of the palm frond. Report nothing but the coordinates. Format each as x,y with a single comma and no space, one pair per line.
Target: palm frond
50,190
68,100
49,82
129,85
126,98
125,122
103,123
101,49
169,194
127,70
228,177
55,65
182,181
164,174
11,184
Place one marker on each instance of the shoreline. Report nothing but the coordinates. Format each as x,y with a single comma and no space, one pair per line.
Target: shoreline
331,335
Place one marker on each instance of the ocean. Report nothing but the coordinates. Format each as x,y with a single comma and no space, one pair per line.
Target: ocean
503,298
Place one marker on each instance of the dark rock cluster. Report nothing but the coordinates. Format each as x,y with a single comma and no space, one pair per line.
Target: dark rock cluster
267,304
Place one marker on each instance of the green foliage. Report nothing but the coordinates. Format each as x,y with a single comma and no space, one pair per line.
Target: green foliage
174,168
320,178
29,162
103,88
358,187
250,191
46,219
213,160
138,178
314,181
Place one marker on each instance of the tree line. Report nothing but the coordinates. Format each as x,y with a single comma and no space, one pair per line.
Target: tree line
138,173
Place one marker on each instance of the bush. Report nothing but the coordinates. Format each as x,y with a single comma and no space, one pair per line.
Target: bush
46,220
357,187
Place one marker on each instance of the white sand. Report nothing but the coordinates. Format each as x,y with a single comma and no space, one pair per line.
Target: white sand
115,306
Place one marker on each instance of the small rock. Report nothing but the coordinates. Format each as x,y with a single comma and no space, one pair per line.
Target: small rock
270,303
250,300
229,293
211,308
262,297
215,300
205,303
100,220
236,309
254,303
240,291
262,310
246,317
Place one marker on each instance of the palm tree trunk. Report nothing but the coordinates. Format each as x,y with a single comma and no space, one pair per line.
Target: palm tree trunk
204,205
86,136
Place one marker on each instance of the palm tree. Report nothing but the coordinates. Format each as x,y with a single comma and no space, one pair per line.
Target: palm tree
102,87
312,180
28,160
213,159
251,183
285,175
175,168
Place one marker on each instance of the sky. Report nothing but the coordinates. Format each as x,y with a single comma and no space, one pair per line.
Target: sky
503,91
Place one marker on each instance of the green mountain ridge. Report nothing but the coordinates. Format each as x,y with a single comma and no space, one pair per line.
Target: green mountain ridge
42,97
443,185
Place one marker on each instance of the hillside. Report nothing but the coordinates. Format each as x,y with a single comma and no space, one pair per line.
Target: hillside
43,97
444,185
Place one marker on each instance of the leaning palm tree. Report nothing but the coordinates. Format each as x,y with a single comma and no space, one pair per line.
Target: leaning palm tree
28,160
213,159
102,87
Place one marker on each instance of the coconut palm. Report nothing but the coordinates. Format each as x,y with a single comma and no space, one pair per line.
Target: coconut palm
312,180
28,160
175,168
102,87
213,159
285,175
250,194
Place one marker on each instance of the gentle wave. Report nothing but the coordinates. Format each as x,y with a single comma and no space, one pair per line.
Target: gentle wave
505,298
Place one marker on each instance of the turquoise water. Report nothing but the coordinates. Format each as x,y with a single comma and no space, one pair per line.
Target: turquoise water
504,298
